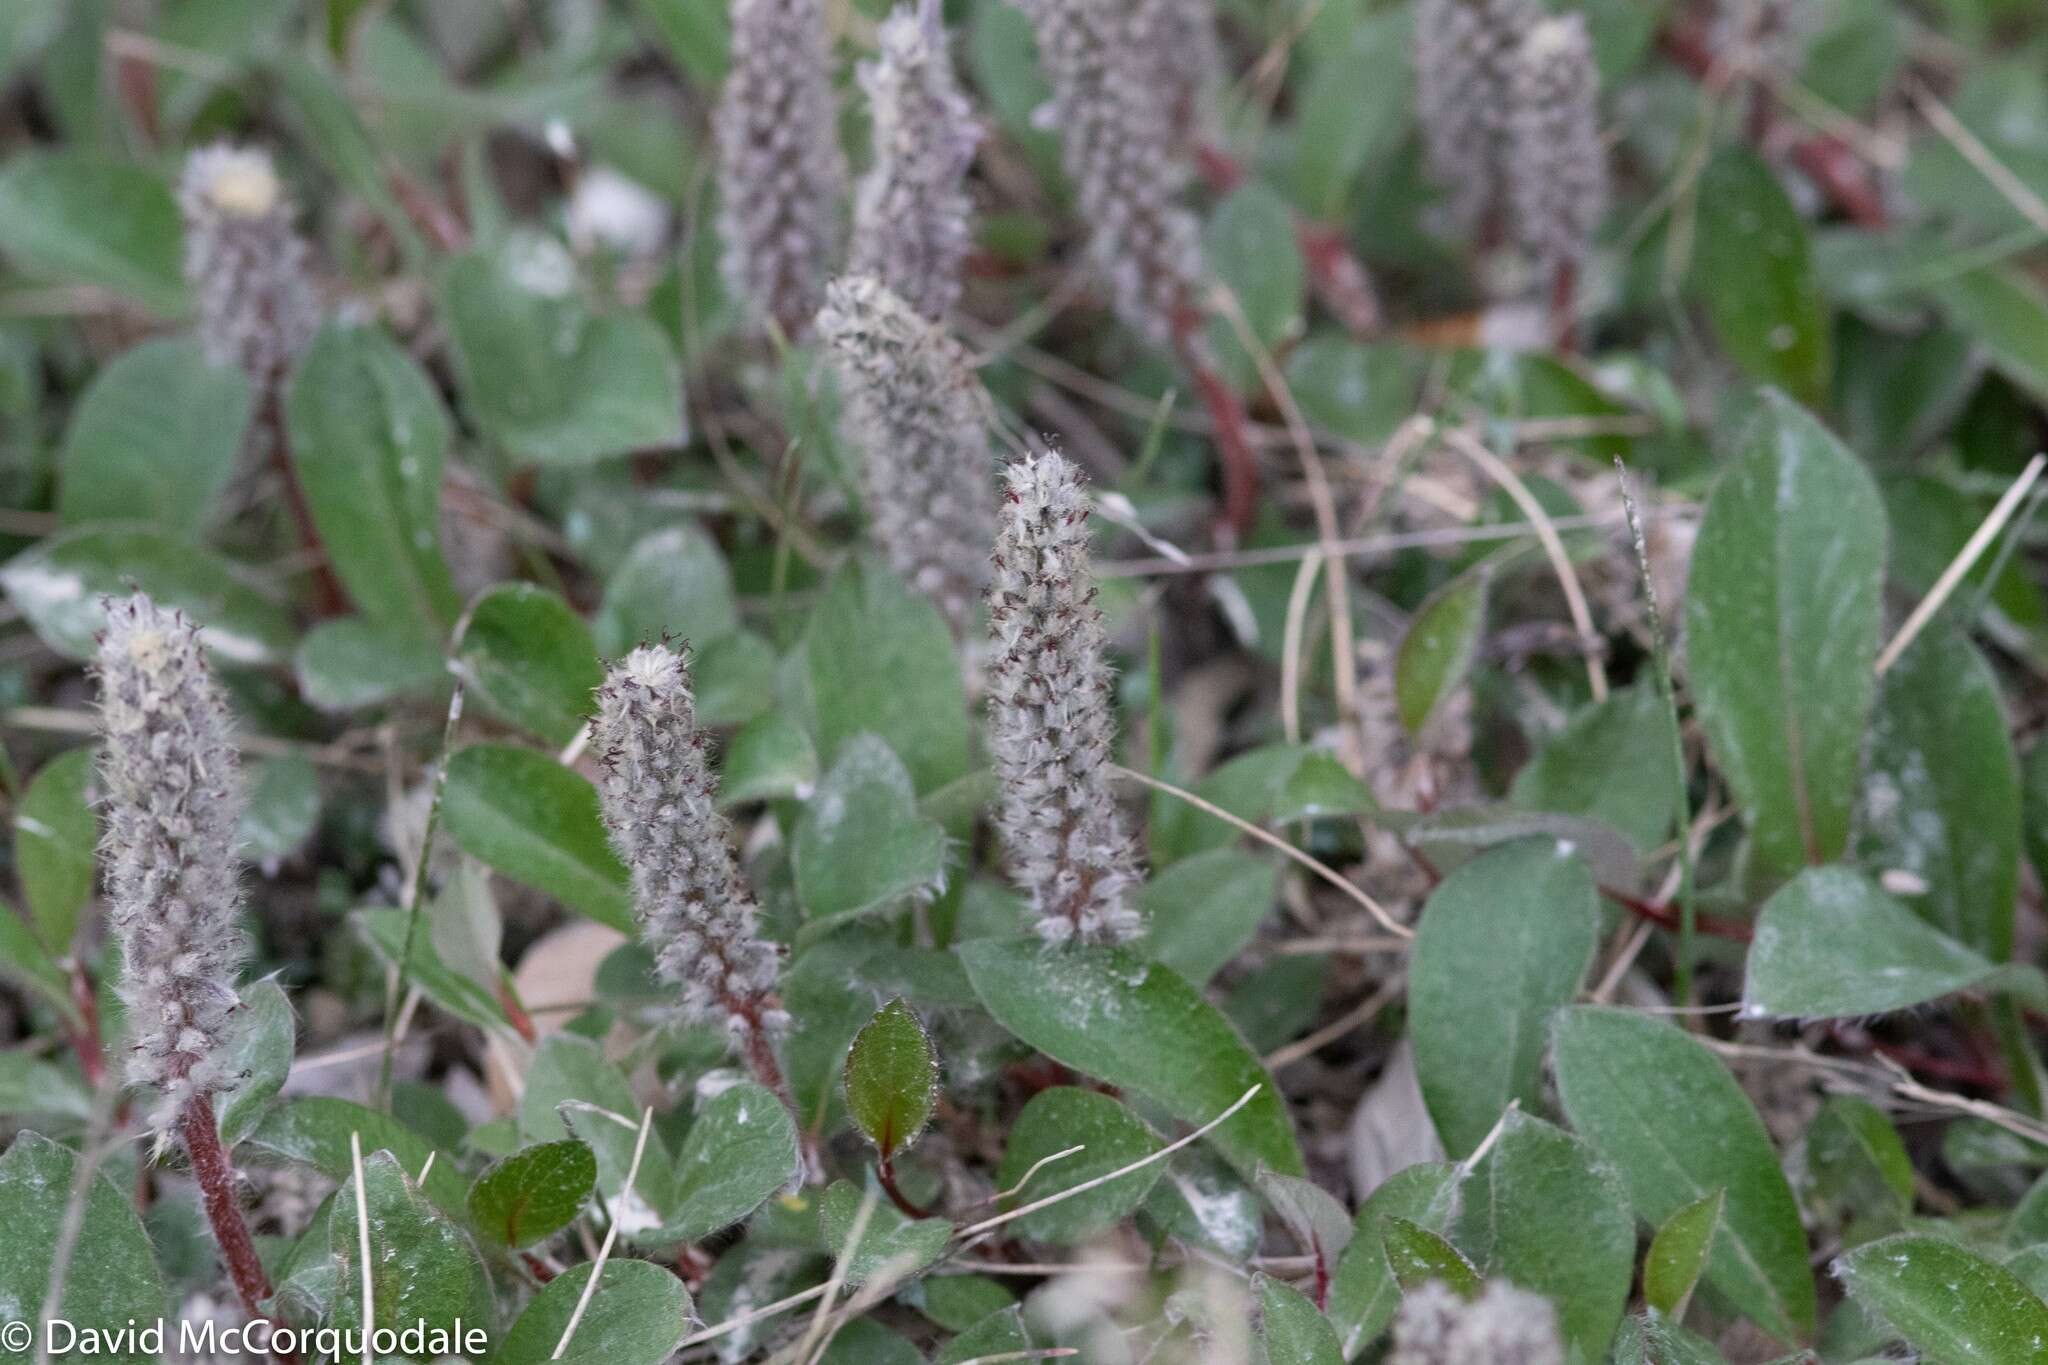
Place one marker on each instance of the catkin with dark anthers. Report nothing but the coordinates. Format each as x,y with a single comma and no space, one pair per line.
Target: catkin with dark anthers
921,420
780,169
1118,145
246,264
696,912
1503,1326
1557,167
1051,723
173,806
912,209
1465,53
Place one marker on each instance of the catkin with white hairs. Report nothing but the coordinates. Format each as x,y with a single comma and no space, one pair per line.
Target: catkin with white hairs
1117,142
912,210
921,420
1465,54
1051,722
1503,1326
696,912
781,172
173,807
1188,60
246,264
1557,167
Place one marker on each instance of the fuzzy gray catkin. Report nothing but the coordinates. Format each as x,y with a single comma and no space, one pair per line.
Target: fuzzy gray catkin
921,420
173,804
1465,53
695,909
911,212
1118,145
247,266
1557,167
1188,61
1051,728
781,172
1503,1326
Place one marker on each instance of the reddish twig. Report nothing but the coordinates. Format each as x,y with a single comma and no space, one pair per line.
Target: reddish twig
1227,414
1665,916
1336,275
85,1037
1827,161
329,598
885,1173
217,1185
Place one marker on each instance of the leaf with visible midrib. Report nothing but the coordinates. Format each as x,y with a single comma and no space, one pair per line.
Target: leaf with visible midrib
537,822
1782,617
892,1078
1948,1302
1667,1113
1137,1025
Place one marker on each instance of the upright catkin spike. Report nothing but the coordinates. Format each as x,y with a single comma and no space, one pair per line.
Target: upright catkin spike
921,420
1051,729
1557,168
1117,142
911,211
1503,1326
247,266
695,909
1464,70
173,804
781,172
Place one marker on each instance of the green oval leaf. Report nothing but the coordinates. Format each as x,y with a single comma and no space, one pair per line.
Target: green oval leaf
58,583
1416,1256
892,1078
1363,1293
1948,1302
111,1280
861,843
155,438
525,815
55,837
1752,270
1504,941
369,439
1857,1161
259,1055
83,218
1437,652
534,1193
881,662
636,1316
673,583
1666,1113
1293,1332
1138,1026
741,1149
1782,615
889,1244
422,1267
1678,1255
1111,1137
529,658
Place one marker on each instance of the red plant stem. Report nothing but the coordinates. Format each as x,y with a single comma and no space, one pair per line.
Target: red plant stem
1322,1286
536,1267
217,1184
885,1172
85,1038
1827,160
1564,296
329,598
515,1013
1227,415
1664,915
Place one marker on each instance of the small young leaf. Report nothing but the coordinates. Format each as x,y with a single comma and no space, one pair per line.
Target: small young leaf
534,1193
1678,1255
1135,1024
525,815
1312,1215
861,843
1948,1302
1667,1113
1292,1330
892,1079
1830,944
1110,1136
260,1056
1782,618
1437,652
110,1281
1504,941
55,836
1416,1256
1363,1293
637,1315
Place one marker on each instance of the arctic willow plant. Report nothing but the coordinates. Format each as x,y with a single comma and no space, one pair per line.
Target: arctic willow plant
781,173
173,808
696,911
921,420
1557,169
910,216
1465,52
1118,143
1051,730
247,266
